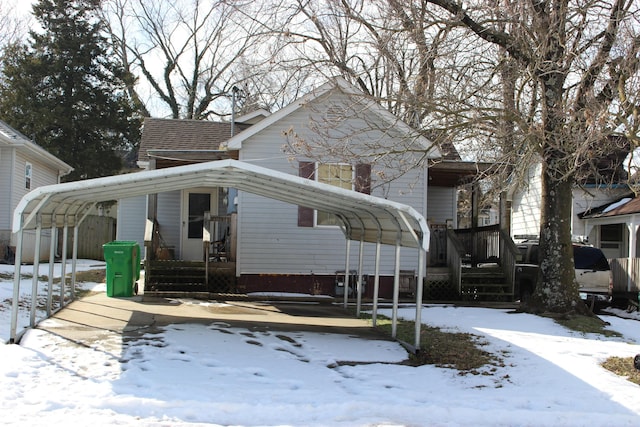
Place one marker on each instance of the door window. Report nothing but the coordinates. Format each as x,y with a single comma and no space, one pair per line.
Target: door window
199,203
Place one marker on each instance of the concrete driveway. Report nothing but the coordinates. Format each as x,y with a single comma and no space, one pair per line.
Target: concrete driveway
98,320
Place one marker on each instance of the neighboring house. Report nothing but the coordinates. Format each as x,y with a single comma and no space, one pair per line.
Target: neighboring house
613,226
24,166
277,246
609,186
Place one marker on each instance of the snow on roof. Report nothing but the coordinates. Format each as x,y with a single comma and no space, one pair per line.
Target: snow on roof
617,204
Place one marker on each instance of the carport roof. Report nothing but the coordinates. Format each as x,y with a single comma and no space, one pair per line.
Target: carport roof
363,217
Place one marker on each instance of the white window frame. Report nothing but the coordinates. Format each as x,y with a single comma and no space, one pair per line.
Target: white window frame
28,175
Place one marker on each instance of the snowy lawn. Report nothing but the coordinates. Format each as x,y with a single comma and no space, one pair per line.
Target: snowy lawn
192,374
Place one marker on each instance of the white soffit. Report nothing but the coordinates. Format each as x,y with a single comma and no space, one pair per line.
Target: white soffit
364,217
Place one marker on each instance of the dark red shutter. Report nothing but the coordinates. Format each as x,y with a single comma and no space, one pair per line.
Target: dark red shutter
363,178
305,215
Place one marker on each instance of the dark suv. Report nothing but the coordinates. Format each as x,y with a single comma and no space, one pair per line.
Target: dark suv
593,273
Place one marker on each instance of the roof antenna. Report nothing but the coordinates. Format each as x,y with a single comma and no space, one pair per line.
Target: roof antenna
234,91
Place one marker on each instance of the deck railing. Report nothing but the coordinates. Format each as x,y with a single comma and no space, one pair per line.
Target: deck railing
479,245
625,275
508,258
455,255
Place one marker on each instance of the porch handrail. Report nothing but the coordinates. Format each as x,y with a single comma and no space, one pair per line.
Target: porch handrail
455,255
482,244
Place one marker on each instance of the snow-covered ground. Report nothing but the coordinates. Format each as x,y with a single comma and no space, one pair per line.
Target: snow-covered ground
216,375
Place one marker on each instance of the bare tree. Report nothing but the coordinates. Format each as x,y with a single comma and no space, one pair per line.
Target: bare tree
12,25
547,81
539,80
184,51
579,61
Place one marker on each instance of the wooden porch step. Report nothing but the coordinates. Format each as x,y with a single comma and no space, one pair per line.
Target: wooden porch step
189,276
481,272
173,286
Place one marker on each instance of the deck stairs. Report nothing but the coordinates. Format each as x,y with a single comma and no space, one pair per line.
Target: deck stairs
167,276
484,283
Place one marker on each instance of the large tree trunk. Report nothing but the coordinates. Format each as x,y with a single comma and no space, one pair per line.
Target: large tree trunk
557,289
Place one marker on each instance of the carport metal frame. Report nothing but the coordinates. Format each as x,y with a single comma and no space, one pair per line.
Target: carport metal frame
362,218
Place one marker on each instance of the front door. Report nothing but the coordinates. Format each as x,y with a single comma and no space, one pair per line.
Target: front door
195,202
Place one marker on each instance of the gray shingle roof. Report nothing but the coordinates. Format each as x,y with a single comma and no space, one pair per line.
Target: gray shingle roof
177,134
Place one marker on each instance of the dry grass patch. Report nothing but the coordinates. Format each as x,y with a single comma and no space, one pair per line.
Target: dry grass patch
97,276
586,325
623,366
457,350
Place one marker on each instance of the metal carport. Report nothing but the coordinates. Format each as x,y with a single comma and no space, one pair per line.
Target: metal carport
363,218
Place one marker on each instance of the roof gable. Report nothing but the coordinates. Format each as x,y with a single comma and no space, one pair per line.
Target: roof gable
383,119
12,138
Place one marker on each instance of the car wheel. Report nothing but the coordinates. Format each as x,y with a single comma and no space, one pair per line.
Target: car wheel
525,295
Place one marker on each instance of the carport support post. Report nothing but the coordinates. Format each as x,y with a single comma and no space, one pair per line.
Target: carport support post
376,284
63,262
74,258
346,273
396,293
52,260
359,286
16,287
36,267
419,284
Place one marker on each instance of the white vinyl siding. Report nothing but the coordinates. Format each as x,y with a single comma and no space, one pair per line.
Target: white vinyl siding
13,164
6,172
271,242
526,206
442,205
132,214
169,218
42,175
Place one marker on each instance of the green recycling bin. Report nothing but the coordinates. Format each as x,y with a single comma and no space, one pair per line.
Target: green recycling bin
123,267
